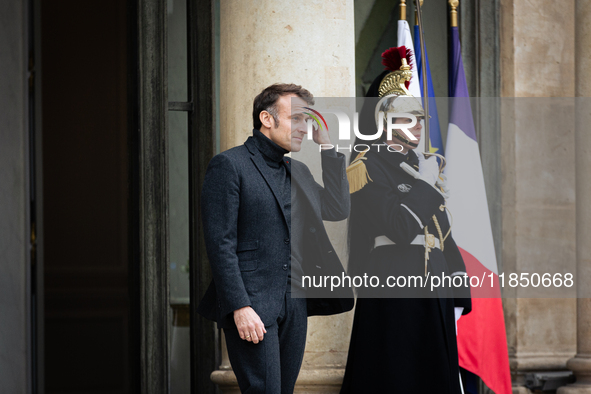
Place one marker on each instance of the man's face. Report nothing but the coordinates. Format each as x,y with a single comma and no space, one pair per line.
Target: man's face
292,126
415,130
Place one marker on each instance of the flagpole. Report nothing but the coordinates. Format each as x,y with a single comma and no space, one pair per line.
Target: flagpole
424,72
402,10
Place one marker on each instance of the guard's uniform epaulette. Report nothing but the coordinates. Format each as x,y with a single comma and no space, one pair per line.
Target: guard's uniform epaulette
357,173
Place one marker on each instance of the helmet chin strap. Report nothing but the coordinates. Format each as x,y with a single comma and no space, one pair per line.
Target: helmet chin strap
403,139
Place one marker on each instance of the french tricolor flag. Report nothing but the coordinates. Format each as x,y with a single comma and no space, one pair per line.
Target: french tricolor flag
405,39
482,342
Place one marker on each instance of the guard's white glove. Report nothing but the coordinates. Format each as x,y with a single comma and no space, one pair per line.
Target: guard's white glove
442,185
428,172
428,169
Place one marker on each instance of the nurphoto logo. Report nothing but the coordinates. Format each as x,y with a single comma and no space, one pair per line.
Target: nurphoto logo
344,128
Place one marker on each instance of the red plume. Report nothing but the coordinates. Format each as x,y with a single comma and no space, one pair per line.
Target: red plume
392,59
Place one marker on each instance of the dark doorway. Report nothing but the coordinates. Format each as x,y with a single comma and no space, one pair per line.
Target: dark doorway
84,57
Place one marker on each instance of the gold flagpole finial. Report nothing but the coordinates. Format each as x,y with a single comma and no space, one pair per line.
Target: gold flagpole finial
416,15
402,10
454,12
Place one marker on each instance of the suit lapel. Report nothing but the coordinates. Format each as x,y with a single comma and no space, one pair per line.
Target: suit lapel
263,168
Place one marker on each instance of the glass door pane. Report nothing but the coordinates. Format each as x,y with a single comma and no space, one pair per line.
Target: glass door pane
178,168
177,51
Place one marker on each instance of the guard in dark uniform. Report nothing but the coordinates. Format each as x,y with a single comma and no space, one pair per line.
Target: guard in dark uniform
404,337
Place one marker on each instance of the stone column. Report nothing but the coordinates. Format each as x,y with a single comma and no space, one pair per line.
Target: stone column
307,42
538,217
310,43
581,363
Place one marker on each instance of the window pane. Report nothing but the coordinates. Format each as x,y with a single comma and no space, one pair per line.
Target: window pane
178,167
177,50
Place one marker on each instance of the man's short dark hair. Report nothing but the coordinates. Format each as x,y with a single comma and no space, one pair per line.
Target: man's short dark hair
267,101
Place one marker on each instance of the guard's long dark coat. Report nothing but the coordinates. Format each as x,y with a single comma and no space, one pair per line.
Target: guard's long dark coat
401,345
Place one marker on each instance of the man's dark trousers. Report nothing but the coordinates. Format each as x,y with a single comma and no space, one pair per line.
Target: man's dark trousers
256,366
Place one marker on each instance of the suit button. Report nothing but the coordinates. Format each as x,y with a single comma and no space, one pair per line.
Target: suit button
284,267
286,240
312,230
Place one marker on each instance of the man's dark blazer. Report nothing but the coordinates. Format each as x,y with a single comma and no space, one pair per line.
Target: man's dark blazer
248,238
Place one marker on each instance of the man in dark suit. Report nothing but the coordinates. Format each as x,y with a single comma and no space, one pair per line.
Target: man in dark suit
262,217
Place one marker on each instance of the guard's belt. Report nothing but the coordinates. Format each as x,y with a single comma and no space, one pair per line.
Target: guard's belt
382,240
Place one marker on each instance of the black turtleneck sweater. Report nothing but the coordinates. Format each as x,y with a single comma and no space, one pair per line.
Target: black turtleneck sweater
273,155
